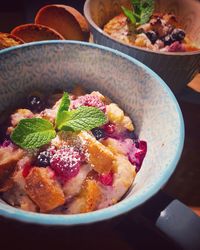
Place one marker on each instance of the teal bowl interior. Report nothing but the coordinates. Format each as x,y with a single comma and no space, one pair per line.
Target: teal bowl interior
53,65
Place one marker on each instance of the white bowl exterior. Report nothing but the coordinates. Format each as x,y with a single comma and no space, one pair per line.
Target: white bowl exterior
149,102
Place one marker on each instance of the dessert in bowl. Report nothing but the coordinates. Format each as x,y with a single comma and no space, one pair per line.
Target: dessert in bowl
75,156
58,66
167,42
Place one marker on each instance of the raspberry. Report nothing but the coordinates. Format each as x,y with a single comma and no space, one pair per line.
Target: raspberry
6,143
66,162
26,170
136,156
106,179
90,101
176,47
109,128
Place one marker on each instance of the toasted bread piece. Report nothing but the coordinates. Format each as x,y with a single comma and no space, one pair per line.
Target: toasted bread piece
87,200
17,196
8,160
43,190
100,157
114,113
17,116
8,40
64,19
127,123
35,32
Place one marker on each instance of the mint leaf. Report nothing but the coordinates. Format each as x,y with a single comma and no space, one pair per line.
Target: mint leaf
32,133
64,106
143,9
147,9
137,9
83,118
129,13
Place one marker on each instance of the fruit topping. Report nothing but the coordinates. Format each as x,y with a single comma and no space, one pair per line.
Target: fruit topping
26,170
66,162
178,34
90,101
6,143
176,47
35,103
98,133
109,128
131,135
43,159
168,40
152,36
137,154
106,179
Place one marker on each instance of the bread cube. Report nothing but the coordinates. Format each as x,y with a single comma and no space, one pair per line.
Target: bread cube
43,190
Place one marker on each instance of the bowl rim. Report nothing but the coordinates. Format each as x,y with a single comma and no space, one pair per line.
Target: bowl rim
89,19
125,205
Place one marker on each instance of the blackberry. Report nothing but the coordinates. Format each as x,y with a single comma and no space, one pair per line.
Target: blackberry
43,159
98,133
168,40
152,36
178,34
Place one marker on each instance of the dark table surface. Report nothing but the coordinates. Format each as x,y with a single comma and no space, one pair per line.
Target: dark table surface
130,231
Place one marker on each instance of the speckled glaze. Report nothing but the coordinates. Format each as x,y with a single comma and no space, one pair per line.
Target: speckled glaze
177,69
140,92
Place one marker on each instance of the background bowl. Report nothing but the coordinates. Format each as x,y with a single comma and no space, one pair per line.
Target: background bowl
47,66
177,69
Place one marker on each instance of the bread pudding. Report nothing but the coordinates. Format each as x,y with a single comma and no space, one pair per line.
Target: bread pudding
142,27
68,154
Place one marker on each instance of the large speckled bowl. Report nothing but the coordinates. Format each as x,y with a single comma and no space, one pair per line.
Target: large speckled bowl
177,69
47,66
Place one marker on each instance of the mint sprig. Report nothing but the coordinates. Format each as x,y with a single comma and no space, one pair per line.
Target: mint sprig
32,133
35,132
64,106
83,118
141,13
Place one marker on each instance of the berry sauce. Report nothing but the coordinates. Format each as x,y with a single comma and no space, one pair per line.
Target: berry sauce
137,154
106,179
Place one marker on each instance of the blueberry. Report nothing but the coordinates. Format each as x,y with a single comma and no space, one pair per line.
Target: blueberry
168,40
35,103
98,133
178,34
43,159
132,135
152,36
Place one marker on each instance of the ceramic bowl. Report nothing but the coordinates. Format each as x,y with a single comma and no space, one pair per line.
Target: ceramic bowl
46,66
177,69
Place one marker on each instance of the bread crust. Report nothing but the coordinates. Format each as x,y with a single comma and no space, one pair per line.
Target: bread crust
8,160
43,190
